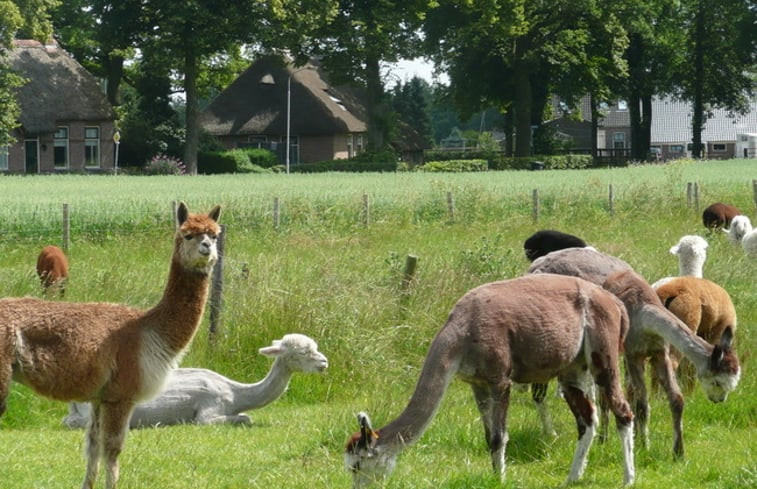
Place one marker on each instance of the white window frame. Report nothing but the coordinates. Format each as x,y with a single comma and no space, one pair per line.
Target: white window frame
719,147
92,142
618,138
61,142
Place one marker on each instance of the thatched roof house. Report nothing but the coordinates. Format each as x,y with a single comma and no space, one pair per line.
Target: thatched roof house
66,120
325,122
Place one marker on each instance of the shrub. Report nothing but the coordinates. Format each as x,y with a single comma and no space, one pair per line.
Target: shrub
385,161
454,166
232,161
162,164
260,157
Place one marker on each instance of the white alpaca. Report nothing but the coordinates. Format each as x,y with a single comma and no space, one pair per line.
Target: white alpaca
692,253
202,396
740,227
524,330
749,243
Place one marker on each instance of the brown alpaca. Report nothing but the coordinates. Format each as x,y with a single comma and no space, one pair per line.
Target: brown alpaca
524,330
110,355
704,306
52,269
719,215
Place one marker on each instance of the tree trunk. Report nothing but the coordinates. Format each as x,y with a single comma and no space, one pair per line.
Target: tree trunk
645,127
634,113
697,119
115,67
376,106
594,125
190,90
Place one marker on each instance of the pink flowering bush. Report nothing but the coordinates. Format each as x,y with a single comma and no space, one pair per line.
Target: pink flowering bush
162,164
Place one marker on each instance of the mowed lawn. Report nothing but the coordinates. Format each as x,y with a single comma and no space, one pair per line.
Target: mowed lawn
330,267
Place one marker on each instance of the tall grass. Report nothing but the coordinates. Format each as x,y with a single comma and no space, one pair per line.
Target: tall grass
325,274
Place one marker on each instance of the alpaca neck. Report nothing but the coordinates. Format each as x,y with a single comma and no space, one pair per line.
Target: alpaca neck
691,268
438,371
180,310
257,395
664,323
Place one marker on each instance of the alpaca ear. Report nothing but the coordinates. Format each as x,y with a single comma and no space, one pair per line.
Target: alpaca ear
182,213
718,353
726,339
674,250
215,213
272,351
367,435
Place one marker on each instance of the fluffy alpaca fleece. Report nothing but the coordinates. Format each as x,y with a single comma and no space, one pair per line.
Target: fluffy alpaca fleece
719,215
52,269
740,227
547,240
692,253
704,306
749,243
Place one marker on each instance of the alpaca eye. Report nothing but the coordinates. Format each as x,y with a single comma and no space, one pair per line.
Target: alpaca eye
188,237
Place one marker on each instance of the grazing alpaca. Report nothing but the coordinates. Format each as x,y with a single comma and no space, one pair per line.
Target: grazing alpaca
201,396
740,227
109,354
692,253
749,243
704,306
719,215
525,330
52,269
653,328
547,240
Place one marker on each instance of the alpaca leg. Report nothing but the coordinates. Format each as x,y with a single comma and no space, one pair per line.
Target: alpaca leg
92,445
539,396
493,404
666,375
115,425
585,415
636,393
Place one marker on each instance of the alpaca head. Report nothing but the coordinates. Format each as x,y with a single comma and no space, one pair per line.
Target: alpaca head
196,239
299,353
722,374
692,253
368,461
740,227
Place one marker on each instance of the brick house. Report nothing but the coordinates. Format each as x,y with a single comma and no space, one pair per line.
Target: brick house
66,122
272,100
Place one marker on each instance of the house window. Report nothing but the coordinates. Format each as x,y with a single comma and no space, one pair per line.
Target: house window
676,148
618,140
718,148
294,149
60,145
92,146
622,105
350,148
359,143
3,158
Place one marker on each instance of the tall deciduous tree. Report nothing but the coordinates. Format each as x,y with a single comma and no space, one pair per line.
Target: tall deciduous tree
720,54
411,101
363,35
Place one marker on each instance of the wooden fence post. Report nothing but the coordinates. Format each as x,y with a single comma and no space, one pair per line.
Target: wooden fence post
611,199
411,264
66,228
451,206
216,287
689,192
696,197
174,207
754,191
276,213
536,205
366,211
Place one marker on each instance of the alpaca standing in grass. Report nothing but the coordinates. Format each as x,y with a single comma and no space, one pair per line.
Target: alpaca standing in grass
705,307
529,329
201,396
52,269
110,355
653,329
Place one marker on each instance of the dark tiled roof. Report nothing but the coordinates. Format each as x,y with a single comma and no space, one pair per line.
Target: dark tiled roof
58,89
256,103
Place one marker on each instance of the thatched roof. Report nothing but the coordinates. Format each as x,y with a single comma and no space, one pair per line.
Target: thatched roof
59,89
256,103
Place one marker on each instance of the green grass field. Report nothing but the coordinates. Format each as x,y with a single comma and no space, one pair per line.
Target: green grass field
325,273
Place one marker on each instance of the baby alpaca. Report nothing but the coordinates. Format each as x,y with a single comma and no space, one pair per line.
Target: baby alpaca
52,269
547,240
201,396
719,215
692,253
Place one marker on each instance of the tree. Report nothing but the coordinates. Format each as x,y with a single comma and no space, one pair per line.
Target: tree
411,101
363,35
720,54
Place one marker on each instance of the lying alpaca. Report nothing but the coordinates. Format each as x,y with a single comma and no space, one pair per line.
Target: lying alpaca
52,269
740,227
704,306
201,396
692,253
110,355
547,240
525,330
652,328
719,215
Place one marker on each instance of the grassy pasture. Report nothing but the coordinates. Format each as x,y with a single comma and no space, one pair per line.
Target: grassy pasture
324,273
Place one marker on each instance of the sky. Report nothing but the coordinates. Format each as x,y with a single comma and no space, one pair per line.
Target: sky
406,69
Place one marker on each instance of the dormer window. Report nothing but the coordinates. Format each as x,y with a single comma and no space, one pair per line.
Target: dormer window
267,79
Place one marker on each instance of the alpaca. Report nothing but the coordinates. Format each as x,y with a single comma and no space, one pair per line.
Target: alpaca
52,269
201,396
740,227
110,355
692,253
653,328
546,240
704,306
528,329
719,215
749,243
